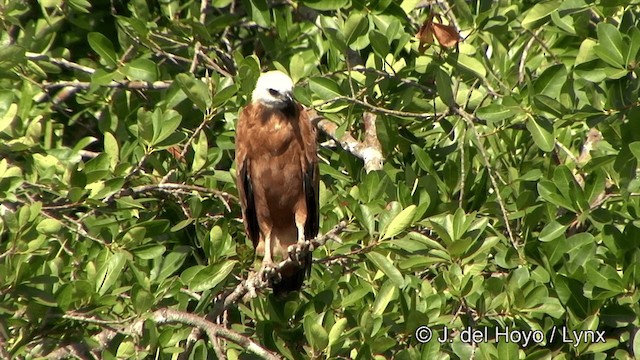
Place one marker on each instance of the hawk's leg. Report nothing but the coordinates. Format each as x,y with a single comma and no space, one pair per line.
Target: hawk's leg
302,246
268,266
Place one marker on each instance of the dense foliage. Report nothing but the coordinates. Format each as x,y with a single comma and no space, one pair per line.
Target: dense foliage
508,197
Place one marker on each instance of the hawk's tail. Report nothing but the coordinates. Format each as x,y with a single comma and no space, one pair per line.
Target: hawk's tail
292,277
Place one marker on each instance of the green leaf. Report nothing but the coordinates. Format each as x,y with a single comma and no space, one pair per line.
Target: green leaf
551,80
634,46
49,226
355,26
324,88
549,105
324,5
170,264
386,266
195,90
141,69
399,223
539,12
260,13
315,333
443,84
388,292
11,55
549,192
542,132
211,276
635,344
355,296
604,277
472,65
496,112
103,47
224,94
141,299
164,124
508,349
635,149
552,231
149,251
110,272
111,149
379,43
336,330
82,6
610,46
201,148
8,116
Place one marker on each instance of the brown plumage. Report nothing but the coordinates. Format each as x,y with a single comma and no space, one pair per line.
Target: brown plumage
277,176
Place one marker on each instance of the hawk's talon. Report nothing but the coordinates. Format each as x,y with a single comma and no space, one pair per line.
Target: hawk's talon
269,273
296,251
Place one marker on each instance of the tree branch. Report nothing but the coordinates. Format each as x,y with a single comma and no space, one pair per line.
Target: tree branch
60,62
255,282
160,317
123,84
369,150
212,330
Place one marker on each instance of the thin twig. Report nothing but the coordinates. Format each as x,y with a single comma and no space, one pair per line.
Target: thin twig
167,187
377,109
78,229
525,53
505,215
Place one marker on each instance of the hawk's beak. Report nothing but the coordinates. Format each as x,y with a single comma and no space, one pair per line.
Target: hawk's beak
288,98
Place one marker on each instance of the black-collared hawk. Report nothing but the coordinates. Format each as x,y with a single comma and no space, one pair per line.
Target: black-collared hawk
277,177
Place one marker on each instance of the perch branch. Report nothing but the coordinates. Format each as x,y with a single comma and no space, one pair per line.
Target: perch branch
255,282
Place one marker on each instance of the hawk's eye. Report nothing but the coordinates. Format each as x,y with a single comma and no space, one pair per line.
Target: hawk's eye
273,92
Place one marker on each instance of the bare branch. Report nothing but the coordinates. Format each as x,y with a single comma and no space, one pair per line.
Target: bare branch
60,62
212,330
369,150
373,152
124,84
161,316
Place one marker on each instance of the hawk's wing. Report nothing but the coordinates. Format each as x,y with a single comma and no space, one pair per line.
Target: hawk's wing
243,180
311,181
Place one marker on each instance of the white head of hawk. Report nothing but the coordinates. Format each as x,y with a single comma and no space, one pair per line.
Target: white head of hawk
274,89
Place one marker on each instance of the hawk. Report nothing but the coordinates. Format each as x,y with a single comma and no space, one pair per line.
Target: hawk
277,177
